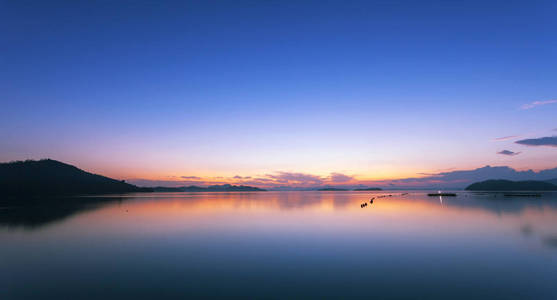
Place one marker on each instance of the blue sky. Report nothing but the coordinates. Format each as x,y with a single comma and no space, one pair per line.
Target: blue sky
375,90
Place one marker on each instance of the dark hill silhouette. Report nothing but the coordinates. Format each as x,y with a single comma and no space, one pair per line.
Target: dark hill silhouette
38,212
50,177
507,185
369,189
211,188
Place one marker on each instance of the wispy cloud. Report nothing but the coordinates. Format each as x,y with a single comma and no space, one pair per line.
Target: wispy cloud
506,138
338,177
169,183
508,153
543,141
537,103
296,178
190,177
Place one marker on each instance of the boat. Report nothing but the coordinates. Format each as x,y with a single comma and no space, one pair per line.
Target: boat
442,194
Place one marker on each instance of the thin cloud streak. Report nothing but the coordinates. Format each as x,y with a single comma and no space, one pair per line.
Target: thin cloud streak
537,103
506,138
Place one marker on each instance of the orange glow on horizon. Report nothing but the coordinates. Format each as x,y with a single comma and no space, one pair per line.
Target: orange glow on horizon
176,175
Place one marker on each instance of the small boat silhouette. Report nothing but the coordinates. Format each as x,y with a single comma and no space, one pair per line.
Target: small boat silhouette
442,194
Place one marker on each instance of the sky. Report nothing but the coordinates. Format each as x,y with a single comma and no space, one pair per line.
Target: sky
310,91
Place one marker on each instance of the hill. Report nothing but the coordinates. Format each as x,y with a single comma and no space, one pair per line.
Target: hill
53,178
332,189
211,188
369,189
507,185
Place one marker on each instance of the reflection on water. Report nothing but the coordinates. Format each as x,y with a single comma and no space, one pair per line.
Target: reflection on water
281,245
34,215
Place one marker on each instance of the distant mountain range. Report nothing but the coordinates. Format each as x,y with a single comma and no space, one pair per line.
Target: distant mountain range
211,188
508,185
50,177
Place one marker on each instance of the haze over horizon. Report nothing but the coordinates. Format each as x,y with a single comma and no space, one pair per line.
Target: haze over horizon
303,94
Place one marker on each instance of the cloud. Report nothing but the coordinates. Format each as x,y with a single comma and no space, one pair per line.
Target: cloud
338,177
168,183
550,241
304,179
190,177
300,181
296,178
543,141
537,103
508,153
505,138
463,178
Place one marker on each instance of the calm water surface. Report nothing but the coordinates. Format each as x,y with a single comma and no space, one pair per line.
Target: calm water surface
281,245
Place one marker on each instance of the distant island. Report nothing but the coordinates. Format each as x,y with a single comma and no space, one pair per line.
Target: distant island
211,188
49,177
333,189
369,189
552,181
507,185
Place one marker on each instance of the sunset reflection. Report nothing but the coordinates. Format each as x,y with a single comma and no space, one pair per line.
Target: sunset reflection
193,237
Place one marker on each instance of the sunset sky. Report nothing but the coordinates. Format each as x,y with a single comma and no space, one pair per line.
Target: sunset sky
337,91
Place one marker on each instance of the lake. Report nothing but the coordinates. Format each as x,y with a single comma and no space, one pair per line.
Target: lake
281,245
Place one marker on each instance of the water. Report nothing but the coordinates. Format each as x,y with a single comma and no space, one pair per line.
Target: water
281,245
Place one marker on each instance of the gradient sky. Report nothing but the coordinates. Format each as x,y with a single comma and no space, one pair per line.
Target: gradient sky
372,90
